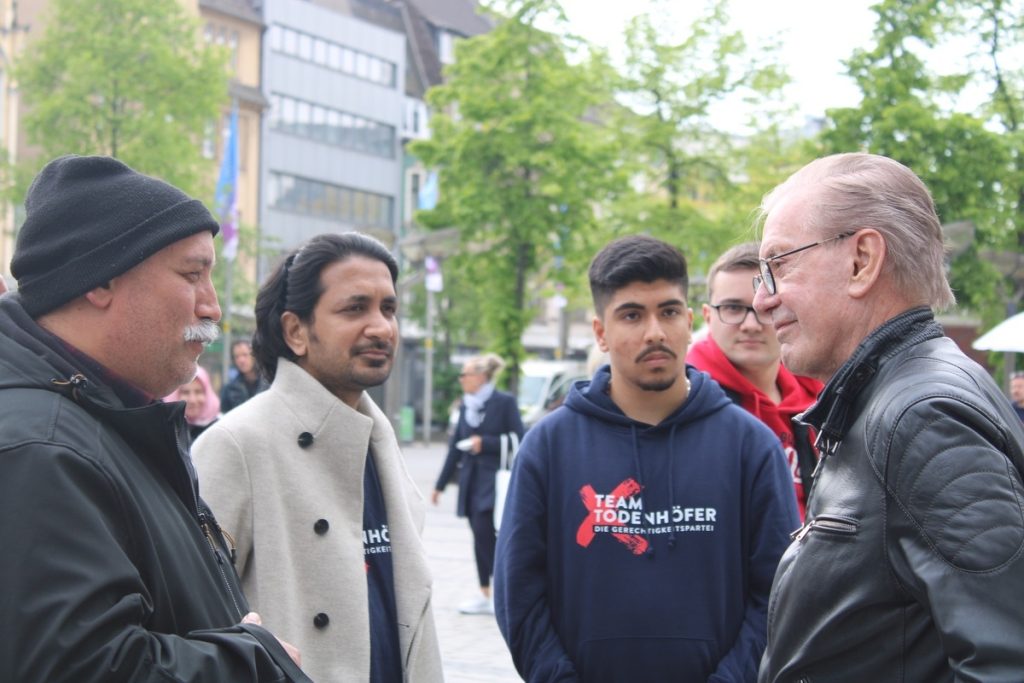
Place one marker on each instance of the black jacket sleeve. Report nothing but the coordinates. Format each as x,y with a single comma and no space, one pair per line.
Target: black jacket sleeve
77,607
451,461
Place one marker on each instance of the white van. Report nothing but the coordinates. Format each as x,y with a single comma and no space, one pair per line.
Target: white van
544,384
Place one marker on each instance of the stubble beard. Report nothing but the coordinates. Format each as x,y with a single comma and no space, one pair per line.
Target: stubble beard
376,370
376,374
658,385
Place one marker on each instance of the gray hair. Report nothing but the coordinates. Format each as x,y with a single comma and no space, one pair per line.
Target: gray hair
858,190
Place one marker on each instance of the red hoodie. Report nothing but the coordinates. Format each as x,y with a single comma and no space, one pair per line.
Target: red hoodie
798,393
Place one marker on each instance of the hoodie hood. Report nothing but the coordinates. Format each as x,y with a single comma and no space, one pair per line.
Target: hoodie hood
797,392
592,398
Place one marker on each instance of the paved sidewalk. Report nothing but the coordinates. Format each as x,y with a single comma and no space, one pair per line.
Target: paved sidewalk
471,646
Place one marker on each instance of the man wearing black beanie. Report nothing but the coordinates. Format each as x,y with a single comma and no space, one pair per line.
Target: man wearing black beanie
116,570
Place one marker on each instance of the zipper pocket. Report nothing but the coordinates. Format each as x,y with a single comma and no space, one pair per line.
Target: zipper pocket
831,524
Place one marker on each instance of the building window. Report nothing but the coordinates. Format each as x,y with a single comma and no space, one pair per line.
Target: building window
445,47
331,126
332,55
333,202
217,34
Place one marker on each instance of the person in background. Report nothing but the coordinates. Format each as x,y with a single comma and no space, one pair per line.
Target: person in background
741,353
114,570
486,415
202,406
910,565
308,477
1017,393
247,382
646,516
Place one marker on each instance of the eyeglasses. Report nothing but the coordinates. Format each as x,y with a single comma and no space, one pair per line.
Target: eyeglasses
768,278
734,314
467,374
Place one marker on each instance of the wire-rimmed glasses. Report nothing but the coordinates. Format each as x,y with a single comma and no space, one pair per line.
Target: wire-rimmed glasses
767,278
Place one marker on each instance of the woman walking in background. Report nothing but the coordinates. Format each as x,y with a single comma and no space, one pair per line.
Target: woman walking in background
485,415
202,405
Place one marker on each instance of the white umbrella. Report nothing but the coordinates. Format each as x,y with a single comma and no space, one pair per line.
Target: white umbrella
1006,336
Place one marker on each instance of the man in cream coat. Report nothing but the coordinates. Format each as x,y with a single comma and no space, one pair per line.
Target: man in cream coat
308,478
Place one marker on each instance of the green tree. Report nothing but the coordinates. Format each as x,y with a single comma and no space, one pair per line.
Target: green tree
998,26
521,162
688,163
125,78
907,113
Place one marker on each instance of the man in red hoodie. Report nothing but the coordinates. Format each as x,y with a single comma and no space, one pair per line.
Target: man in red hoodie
742,355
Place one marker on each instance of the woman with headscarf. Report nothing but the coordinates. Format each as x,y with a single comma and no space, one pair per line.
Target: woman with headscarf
202,405
485,416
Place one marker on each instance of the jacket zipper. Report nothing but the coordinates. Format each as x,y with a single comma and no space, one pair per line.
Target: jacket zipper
827,523
204,524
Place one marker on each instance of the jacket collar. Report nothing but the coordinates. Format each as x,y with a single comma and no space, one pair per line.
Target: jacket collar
156,432
832,415
350,431
314,406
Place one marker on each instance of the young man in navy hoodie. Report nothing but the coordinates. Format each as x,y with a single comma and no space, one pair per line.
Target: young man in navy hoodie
645,517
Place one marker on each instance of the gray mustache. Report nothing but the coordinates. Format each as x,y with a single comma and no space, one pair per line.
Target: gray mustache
205,331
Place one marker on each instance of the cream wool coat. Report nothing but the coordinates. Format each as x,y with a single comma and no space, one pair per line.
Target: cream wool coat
269,492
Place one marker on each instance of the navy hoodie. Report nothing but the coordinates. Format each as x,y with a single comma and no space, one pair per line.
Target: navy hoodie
631,552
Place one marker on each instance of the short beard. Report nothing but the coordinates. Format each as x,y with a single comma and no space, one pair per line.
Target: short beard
659,385
204,331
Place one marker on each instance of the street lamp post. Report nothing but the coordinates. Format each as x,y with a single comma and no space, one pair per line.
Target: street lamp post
428,380
428,248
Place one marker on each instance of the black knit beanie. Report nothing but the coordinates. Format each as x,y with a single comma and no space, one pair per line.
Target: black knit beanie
90,219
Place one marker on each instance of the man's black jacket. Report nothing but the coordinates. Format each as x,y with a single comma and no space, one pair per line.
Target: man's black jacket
910,567
114,570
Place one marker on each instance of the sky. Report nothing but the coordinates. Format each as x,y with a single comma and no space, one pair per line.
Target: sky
815,35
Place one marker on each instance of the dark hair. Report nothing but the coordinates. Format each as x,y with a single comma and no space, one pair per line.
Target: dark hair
635,258
238,342
296,286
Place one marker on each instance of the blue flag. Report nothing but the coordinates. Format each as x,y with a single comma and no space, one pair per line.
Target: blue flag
427,198
226,198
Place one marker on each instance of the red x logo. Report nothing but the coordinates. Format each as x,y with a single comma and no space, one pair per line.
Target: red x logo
585,534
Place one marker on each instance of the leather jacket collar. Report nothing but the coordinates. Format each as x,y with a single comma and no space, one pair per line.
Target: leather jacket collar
832,415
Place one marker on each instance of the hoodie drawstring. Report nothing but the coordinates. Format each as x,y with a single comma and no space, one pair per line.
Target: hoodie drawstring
671,478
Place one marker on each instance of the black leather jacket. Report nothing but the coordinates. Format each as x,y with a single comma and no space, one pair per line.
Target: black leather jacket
114,570
910,567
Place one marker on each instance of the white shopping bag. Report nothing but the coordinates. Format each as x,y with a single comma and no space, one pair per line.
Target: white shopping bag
509,446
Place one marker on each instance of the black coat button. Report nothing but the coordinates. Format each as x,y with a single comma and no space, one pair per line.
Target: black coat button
305,439
321,620
321,526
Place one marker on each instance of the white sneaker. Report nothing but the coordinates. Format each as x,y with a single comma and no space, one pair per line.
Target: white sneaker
479,605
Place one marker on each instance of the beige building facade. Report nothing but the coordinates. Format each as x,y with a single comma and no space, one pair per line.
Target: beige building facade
236,24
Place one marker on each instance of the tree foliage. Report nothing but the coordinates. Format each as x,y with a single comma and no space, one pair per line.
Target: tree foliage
521,160
128,79
685,161
908,112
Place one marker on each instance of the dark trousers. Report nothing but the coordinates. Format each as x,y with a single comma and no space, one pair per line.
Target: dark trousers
484,542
